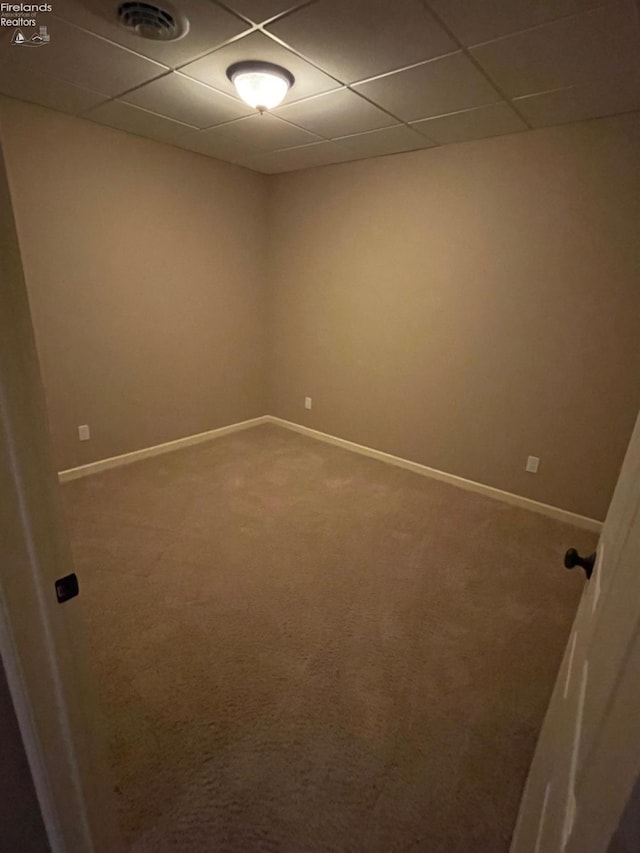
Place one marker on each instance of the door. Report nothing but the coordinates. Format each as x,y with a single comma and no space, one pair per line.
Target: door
588,755
41,641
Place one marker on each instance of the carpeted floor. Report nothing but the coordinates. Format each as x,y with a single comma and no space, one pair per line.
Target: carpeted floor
302,649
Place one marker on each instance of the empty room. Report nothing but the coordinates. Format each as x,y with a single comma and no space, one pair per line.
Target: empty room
319,373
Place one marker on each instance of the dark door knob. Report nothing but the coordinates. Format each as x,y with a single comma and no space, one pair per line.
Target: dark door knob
573,559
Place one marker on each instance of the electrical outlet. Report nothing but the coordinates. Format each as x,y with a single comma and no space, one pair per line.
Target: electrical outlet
532,464
83,432
307,402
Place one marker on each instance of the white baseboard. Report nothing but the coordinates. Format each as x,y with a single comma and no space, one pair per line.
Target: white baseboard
424,470
156,450
582,521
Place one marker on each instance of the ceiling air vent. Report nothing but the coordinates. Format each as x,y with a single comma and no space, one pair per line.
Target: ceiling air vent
152,22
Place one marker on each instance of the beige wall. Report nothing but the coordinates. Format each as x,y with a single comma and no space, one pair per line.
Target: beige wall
145,272
462,307
467,306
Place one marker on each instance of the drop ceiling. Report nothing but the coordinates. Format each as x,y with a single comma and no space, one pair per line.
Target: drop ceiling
373,77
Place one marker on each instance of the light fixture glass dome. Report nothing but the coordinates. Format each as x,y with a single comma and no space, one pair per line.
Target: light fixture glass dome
260,84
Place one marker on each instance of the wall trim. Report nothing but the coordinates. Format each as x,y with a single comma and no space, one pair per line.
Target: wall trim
556,512
155,450
565,515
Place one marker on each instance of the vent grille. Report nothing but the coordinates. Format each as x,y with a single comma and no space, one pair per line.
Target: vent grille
151,22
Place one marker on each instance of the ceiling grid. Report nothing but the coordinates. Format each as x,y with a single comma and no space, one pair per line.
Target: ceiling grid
371,77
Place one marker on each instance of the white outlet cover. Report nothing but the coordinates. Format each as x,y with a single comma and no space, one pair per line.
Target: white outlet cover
307,402
532,464
83,432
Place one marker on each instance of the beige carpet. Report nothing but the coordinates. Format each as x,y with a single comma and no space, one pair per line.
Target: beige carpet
302,649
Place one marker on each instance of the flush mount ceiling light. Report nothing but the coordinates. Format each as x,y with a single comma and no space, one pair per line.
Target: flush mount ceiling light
262,85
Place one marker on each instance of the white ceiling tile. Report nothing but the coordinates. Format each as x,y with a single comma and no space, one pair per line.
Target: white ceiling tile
135,120
335,114
260,133
493,120
474,22
433,88
389,140
202,142
568,52
187,101
260,11
616,95
360,39
209,26
86,60
569,60
45,90
240,159
212,69
304,157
